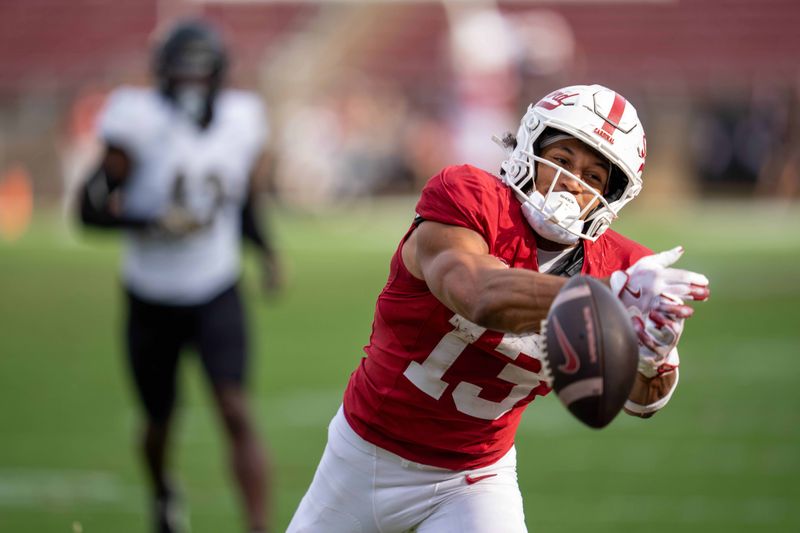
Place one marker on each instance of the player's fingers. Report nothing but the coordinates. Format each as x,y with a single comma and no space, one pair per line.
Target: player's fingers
648,342
669,316
679,275
686,292
668,257
641,332
672,312
672,307
665,339
699,293
686,285
661,335
657,318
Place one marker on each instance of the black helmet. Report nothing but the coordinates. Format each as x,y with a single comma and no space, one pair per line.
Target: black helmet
192,49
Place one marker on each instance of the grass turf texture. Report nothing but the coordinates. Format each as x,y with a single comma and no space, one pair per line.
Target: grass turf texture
724,456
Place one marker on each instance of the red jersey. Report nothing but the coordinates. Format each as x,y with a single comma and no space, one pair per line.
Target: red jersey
434,387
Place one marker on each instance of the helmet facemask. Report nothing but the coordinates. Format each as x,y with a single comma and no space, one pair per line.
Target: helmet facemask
558,207
190,65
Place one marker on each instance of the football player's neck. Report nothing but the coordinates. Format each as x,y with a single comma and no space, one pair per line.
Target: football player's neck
205,121
550,246
196,109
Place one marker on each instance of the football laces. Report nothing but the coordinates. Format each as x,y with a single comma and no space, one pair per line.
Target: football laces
545,373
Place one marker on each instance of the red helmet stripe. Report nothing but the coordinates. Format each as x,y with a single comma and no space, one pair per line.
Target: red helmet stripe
617,108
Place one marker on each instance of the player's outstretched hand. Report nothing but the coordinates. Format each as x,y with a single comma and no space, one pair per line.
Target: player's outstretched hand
654,295
643,284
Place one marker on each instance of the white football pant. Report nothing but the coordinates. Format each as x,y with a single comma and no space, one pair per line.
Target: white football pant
361,488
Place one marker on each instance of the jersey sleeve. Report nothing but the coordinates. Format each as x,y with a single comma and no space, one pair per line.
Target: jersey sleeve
124,122
461,196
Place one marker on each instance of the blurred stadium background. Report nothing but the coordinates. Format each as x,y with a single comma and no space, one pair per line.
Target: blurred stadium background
368,99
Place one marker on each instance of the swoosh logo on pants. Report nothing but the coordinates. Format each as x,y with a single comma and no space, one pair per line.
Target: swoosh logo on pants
471,480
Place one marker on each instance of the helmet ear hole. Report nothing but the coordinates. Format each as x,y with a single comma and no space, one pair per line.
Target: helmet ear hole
531,122
515,171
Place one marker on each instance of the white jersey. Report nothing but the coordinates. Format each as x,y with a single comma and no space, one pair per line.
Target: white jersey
176,163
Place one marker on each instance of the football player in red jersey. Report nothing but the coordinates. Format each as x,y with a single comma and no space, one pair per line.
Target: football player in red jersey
424,440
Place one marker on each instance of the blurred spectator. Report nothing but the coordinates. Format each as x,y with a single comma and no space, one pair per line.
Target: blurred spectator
308,142
485,57
348,144
742,137
178,175
499,58
489,53
780,174
373,160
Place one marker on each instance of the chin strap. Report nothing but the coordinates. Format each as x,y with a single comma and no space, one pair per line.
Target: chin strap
569,265
547,228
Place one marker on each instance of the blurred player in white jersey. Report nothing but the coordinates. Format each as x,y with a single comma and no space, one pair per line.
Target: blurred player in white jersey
178,178
424,440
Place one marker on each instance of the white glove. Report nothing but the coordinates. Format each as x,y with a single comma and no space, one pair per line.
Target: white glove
646,280
659,333
653,295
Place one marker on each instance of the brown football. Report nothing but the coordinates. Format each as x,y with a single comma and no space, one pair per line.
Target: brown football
592,350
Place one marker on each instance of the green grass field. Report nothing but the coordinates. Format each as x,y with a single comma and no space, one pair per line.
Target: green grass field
724,456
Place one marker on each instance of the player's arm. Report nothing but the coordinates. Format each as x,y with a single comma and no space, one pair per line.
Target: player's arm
100,197
255,231
458,269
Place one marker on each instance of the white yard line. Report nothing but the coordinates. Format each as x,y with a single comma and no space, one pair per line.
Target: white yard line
34,487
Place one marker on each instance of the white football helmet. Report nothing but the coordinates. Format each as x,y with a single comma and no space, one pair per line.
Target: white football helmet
602,119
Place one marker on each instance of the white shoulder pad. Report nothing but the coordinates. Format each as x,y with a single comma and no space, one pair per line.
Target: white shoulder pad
130,117
246,111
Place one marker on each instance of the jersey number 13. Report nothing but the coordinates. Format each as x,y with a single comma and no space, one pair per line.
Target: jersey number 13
427,376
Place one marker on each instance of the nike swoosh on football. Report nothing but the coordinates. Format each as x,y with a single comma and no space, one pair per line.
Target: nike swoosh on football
472,480
573,362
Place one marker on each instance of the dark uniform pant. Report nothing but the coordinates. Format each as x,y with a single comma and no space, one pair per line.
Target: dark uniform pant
157,333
